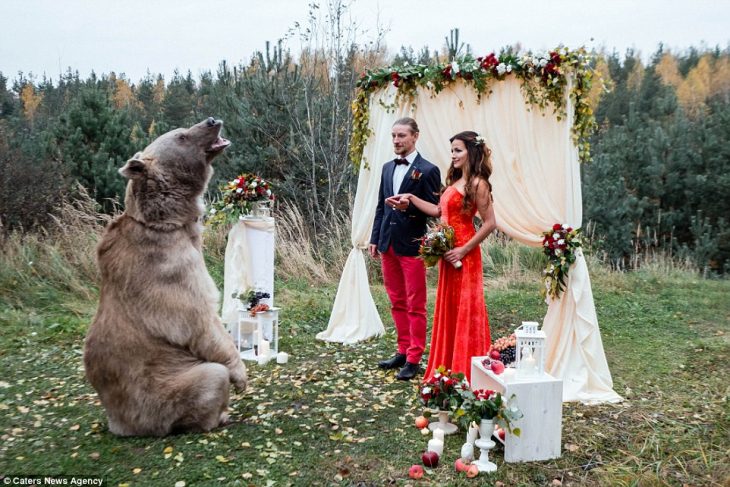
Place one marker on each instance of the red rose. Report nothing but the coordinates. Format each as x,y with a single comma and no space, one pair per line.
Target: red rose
447,72
557,227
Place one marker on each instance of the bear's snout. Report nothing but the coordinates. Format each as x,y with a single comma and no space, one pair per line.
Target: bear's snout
210,121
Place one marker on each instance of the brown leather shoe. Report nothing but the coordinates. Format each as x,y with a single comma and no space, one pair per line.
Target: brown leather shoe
396,361
409,371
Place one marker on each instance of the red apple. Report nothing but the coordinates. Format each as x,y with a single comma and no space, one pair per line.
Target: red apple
430,459
460,466
415,472
497,367
421,422
495,355
473,471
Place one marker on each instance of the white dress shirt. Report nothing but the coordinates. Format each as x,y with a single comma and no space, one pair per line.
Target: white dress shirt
401,170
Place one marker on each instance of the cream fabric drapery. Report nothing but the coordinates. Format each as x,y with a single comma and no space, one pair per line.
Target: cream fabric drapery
536,183
249,241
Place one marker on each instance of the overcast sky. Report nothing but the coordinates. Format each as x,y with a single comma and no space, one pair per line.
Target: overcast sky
133,36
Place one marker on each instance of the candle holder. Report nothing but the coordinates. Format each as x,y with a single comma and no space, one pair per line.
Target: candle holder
483,464
267,328
443,423
530,349
244,335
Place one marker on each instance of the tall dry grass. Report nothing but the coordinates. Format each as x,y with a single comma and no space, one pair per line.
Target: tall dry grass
56,269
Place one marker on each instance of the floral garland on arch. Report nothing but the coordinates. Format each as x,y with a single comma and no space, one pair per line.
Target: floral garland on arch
560,244
544,79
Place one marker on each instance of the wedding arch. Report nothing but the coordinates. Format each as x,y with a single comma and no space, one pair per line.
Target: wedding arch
534,114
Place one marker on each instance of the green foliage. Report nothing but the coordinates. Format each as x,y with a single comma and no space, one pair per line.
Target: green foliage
661,173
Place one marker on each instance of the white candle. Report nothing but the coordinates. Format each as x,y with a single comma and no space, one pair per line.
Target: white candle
437,446
438,434
282,358
472,434
264,348
530,364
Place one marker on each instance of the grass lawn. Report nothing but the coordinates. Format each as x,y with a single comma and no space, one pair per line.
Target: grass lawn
330,416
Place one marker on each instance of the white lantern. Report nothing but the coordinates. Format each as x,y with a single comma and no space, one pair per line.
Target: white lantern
530,349
244,334
267,334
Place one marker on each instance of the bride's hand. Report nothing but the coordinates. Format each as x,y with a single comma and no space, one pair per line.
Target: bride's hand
455,255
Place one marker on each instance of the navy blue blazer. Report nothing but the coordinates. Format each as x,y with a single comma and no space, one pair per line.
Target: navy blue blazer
403,229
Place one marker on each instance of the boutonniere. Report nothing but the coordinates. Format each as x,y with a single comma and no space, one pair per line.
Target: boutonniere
416,175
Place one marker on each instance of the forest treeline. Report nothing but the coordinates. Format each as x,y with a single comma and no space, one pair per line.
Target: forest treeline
659,180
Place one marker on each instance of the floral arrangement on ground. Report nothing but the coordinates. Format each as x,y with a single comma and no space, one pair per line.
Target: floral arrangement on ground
443,390
544,79
237,198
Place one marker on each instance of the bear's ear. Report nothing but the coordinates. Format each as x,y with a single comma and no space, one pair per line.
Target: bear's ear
134,168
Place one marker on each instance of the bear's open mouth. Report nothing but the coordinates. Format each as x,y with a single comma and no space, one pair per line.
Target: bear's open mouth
218,145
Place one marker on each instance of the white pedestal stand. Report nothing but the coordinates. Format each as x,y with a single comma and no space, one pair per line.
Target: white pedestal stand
483,464
249,264
443,423
540,398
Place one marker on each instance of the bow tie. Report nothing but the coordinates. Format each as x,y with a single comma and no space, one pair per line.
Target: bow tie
400,161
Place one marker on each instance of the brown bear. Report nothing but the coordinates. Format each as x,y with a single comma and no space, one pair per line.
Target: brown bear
157,352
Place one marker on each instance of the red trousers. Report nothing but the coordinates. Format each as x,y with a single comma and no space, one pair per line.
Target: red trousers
405,283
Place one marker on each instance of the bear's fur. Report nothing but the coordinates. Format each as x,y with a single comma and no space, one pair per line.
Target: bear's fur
156,352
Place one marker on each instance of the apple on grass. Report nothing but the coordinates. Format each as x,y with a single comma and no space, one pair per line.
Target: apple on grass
430,459
460,466
415,472
473,471
421,422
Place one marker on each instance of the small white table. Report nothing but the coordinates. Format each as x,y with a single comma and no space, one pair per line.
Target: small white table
540,398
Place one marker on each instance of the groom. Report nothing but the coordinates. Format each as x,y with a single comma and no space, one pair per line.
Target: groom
396,232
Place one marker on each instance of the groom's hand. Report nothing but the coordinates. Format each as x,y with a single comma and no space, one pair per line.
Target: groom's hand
373,251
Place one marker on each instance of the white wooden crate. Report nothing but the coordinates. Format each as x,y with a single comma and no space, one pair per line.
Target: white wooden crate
540,398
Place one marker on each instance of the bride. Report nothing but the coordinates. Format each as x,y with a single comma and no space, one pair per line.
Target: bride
460,323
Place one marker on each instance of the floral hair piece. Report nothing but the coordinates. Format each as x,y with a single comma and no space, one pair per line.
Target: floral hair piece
479,140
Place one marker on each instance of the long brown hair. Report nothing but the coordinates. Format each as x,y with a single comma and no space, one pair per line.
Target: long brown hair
479,165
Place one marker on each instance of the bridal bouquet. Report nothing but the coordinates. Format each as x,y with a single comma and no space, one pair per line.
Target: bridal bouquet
443,390
238,196
438,240
560,244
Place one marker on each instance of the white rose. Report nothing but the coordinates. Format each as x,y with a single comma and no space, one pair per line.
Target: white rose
542,62
565,227
253,185
268,192
427,390
455,67
501,68
239,190
561,241
556,236
509,68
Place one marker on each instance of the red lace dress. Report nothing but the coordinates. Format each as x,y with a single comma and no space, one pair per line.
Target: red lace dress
460,323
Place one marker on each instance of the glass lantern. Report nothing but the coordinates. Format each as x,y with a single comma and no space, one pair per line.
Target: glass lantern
244,334
267,334
530,349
